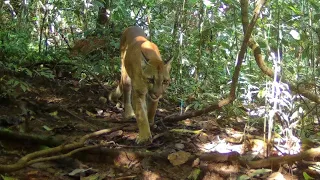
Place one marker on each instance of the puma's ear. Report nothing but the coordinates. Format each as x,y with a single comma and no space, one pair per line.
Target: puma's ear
169,60
168,63
144,60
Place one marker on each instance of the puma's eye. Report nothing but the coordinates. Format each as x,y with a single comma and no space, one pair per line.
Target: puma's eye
150,80
165,82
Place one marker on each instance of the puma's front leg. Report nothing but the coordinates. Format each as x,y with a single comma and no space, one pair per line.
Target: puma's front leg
128,111
152,108
140,109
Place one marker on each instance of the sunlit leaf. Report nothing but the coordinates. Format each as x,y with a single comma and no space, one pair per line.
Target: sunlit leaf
83,75
295,34
47,128
90,113
78,171
295,10
208,3
194,174
243,177
179,157
262,93
295,115
54,114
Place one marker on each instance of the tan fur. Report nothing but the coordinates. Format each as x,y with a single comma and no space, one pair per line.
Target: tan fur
84,47
145,75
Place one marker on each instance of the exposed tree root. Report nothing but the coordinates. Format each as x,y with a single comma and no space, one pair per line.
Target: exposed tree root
76,149
277,161
272,162
66,149
34,139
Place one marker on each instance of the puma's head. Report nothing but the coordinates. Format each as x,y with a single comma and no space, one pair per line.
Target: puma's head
156,73
157,77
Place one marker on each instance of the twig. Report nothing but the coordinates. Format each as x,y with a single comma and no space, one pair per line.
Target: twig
69,154
74,115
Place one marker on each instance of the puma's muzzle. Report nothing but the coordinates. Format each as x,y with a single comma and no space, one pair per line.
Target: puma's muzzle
154,97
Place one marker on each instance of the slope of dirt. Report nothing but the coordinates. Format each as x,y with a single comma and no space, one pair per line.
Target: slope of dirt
66,111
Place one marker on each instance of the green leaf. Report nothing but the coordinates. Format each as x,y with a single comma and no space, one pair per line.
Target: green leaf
259,172
8,178
28,72
43,147
194,174
15,83
83,75
47,128
243,177
306,176
54,113
316,17
98,3
262,93
23,87
295,10
10,82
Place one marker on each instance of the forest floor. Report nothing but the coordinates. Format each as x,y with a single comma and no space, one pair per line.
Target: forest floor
63,110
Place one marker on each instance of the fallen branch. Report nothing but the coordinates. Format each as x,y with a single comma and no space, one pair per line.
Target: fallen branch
6,134
213,157
42,155
277,161
104,152
69,154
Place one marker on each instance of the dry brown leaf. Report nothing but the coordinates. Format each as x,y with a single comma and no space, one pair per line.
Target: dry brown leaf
179,158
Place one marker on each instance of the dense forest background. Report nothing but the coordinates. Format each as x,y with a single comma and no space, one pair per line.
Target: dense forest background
277,87
204,39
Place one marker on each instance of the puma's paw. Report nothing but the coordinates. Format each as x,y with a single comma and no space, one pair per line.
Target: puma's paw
115,95
144,138
151,122
128,112
129,115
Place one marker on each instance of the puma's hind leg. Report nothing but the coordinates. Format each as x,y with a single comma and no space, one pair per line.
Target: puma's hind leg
127,88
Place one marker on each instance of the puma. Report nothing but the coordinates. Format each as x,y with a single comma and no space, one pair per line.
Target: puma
86,46
144,78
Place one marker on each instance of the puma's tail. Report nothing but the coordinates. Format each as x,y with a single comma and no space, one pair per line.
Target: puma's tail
115,95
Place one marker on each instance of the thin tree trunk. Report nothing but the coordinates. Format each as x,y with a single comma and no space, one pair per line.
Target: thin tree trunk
200,25
231,97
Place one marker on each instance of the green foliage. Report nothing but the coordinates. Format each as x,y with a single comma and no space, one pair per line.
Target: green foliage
7,178
306,176
204,37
